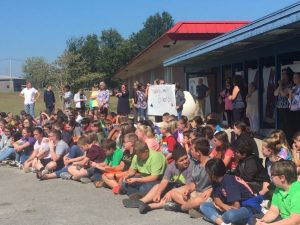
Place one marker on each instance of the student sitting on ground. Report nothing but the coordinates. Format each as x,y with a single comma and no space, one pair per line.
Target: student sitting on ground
41,152
223,151
285,207
270,151
112,178
178,134
284,147
250,169
86,167
296,150
6,149
113,157
23,147
75,154
168,141
145,134
58,149
194,193
146,170
233,200
177,174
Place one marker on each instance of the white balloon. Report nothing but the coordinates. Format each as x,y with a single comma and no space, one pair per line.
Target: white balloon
189,107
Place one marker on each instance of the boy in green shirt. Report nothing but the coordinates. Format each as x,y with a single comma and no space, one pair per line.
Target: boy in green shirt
149,164
285,207
112,152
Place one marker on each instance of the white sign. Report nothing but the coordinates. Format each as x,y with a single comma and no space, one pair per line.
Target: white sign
161,99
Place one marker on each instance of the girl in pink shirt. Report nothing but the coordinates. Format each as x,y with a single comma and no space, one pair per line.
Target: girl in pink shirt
145,134
223,151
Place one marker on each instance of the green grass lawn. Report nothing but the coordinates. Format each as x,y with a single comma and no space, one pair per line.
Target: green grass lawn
11,102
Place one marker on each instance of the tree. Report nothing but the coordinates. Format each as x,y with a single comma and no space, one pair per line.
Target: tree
154,27
110,57
68,68
37,71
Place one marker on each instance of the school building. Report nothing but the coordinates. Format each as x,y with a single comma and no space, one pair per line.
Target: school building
257,51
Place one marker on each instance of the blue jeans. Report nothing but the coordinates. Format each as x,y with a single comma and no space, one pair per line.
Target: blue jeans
141,114
22,156
74,152
7,152
238,216
29,109
179,114
141,188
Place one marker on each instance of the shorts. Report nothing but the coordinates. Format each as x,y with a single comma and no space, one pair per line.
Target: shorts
117,175
44,162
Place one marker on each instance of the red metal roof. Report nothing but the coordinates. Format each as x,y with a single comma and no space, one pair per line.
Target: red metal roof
202,30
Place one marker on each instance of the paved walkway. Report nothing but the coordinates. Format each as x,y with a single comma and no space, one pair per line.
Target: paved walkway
26,201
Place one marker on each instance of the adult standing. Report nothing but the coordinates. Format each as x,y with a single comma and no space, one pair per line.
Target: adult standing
180,100
227,103
123,101
252,107
282,92
93,98
103,98
294,99
80,100
202,92
238,105
30,95
49,99
141,103
67,97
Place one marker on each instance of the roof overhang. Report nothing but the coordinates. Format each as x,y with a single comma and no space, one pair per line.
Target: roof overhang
184,35
278,26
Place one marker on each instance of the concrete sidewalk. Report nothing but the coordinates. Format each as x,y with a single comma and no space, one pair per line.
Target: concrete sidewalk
27,201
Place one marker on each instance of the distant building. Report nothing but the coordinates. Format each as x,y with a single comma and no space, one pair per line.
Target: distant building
11,84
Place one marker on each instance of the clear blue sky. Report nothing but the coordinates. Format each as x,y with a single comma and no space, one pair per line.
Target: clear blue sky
31,28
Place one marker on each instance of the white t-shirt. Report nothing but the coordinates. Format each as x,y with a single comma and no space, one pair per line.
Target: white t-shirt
29,95
43,146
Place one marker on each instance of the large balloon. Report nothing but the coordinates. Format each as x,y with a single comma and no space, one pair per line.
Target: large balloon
189,107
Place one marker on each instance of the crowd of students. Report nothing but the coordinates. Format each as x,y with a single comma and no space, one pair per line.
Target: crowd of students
182,165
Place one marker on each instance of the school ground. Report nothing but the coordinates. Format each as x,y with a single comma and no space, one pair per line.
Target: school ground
28,201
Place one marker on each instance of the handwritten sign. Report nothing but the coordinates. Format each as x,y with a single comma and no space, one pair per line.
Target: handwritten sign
161,99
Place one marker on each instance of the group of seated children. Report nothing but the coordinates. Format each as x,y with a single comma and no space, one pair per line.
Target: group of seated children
178,165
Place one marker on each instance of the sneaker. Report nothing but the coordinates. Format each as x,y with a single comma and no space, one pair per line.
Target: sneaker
144,208
131,203
66,176
13,163
172,206
44,172
85,180
136,196
195,213
19,165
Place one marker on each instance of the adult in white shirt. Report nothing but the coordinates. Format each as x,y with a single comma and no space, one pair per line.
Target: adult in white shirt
30,95
80,100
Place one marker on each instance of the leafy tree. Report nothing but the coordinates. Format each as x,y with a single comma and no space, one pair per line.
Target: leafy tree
110,58
37,71
154,27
